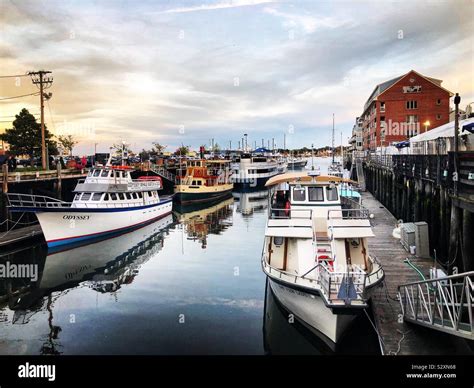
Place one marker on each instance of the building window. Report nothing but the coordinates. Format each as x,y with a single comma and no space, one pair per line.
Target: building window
438,117
411,119
412,104
438,101
382,106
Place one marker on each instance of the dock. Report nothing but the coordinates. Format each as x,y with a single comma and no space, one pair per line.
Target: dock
397,337
19,235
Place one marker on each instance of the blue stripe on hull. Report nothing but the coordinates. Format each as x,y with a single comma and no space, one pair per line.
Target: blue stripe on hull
102,235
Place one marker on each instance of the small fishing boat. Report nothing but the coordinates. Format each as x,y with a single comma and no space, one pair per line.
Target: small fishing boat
107,202
296,163
204,181
315,252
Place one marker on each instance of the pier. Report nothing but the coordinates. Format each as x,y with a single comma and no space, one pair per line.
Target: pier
396,336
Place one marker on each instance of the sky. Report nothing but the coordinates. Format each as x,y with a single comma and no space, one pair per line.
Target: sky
186,72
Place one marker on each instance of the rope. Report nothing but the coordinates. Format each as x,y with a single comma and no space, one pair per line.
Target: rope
376,331
399,343
16,223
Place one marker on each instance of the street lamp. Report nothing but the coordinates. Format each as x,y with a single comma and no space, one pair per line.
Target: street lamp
426,124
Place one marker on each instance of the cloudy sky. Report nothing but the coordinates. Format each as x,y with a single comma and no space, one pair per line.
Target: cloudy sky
185,72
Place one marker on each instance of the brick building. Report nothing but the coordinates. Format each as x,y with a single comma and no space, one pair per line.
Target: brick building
403,107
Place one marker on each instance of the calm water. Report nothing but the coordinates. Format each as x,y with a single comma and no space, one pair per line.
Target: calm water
188,284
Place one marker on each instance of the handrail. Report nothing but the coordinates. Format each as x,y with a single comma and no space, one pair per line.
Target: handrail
288,211
363,214
455,276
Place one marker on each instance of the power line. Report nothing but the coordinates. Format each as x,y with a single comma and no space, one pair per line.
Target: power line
24,95
14,76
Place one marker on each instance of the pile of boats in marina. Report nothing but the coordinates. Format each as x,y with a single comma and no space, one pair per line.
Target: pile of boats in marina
315,252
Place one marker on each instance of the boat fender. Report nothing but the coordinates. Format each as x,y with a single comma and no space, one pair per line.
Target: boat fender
397,232
287,208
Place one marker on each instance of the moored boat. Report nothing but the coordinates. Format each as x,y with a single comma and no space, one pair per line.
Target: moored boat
315,253
204,181
107,202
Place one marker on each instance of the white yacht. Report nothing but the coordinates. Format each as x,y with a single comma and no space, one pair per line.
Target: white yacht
106,203
250,172
315,253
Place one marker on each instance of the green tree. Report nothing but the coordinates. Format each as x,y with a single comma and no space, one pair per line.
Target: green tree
67,142
118,149
183,150
158,148
25,136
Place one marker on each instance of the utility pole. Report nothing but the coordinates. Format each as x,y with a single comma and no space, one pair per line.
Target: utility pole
457,101
44,81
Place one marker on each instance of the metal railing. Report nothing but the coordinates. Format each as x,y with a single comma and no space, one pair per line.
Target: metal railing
328,282
444,304
163,172
348,214
282,213
379,273
27,200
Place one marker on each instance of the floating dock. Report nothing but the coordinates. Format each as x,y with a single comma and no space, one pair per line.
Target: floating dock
18,235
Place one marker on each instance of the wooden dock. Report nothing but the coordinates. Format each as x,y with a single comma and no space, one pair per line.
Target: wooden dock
398,337
20,235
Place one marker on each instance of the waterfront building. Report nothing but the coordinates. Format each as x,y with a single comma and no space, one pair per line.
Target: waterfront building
403,107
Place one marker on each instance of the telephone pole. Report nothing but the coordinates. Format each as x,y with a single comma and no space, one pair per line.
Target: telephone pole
43,81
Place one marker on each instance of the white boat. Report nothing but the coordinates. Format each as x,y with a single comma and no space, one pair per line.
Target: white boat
315,253
296,163
106,203
250,172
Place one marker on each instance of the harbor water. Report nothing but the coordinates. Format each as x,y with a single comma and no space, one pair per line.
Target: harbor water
190,283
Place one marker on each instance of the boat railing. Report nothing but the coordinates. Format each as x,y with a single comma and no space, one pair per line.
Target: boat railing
30,201
344,288
137,184
283,213
372,277
348,214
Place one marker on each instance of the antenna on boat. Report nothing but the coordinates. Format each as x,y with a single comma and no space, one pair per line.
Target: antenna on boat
312,156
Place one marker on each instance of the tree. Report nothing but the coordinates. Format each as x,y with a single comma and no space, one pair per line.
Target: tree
158,148
25,136
144,155
182,151
67,142
119,147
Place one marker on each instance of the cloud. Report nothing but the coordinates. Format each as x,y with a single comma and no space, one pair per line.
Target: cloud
214,6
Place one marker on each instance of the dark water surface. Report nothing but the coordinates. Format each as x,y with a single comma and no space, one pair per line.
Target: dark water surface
190,283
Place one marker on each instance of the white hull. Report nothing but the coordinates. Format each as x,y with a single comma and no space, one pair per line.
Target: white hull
311,310
66,227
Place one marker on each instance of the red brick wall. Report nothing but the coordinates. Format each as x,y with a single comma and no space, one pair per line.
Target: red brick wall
395,107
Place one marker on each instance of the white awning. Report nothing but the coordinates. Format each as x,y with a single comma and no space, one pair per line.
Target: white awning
293,232
349,232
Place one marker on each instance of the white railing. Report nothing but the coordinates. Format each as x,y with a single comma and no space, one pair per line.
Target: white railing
144,185
27,200
348,214
282,213
445,304
328,282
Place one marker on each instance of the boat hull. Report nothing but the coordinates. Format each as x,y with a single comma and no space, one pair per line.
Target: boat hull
72,226
189,197
249,185
312,311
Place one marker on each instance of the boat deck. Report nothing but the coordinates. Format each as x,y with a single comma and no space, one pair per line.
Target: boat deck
401,338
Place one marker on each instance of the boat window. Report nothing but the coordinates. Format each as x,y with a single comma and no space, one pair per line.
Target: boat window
194,183
106,197
331,194
96,196
149,193
299,194
134,195
128,195
96,173
85,196
89,173
140,195
113,196
76,197
104,174
315,194
121,196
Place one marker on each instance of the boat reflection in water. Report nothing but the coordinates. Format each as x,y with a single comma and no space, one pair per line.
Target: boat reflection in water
250,202
104,266
200,220
285,334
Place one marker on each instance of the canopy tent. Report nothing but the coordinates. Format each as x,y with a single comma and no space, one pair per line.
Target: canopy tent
446,130
262,149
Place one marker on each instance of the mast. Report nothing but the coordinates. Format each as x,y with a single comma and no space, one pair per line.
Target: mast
332,139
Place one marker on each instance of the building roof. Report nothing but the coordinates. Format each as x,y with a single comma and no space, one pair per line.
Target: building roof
382,87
